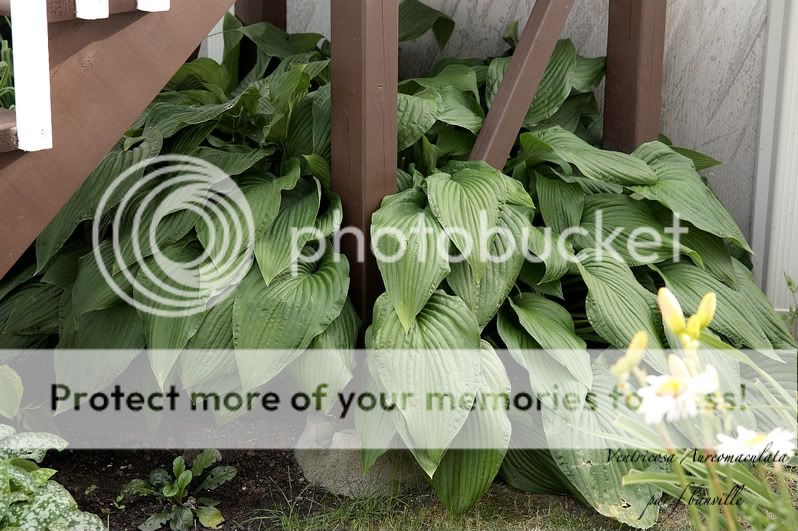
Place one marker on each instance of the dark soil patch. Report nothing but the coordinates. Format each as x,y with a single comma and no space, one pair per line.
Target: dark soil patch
266,478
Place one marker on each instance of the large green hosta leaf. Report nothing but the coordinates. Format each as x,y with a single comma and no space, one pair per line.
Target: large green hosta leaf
417,114
33,310
486,297
212,347
681,189
467,204
330,359
561,203
772,323
540,336
690,284
417,18
284,317
276,249
618,307
578,450
558,145
410,280
555,87
425,361
465,474
83,204
629,228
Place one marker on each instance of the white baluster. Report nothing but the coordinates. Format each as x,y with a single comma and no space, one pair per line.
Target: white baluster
32,74
92,9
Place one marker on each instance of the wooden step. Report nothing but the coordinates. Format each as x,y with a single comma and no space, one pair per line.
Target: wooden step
61,10
103,74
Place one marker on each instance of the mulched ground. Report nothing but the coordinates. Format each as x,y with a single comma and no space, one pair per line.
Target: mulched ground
266,478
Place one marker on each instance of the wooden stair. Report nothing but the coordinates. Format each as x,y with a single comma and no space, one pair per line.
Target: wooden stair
103,74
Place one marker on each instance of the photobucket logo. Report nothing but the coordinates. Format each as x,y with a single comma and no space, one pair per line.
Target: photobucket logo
640,245
178,194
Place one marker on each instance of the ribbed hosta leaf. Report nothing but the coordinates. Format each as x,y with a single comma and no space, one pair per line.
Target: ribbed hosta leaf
117,327
552,252
592,477
234,159
417,18
690,284
212,347
555,87
456,76
276,249
681,189
772,323
587,73
330,358
467,204
425,366
465,474
561,203
629,228
33,310
714,254
557,145
83,205
417,114
618,307
420,268
285,316
460,109
486,297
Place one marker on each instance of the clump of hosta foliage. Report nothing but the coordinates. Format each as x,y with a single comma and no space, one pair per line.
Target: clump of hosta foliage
29,498
270,129
185,490
558,177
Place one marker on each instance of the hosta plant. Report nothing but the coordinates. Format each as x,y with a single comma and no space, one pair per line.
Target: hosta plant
269,129
183,491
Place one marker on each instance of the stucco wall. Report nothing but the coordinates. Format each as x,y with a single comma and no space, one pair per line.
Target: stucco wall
713,70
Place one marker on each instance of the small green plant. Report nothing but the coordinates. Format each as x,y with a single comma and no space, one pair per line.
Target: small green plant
186,504
792,313
29,499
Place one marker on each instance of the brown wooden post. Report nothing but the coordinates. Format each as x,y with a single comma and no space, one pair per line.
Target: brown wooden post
365,72
104,73
254,11
521,81
635,55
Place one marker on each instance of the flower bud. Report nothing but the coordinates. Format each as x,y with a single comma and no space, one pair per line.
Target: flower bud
706,310
672,314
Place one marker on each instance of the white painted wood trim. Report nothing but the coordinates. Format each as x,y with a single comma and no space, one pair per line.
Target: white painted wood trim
775,227
153,5
32,74
92,9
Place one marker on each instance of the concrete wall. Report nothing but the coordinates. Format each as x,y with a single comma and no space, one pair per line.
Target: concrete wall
713,70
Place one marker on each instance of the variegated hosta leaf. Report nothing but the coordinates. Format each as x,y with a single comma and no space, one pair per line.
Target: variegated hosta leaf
486,297
330,359
420,268
465,474
558,145
690,284
281,319
428,364
629,228
467,204
281,244
618,307
681,189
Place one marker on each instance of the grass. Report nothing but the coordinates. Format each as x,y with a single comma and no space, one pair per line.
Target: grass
501,509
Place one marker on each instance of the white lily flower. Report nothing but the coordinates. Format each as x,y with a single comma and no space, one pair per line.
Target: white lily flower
677,395
752,443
